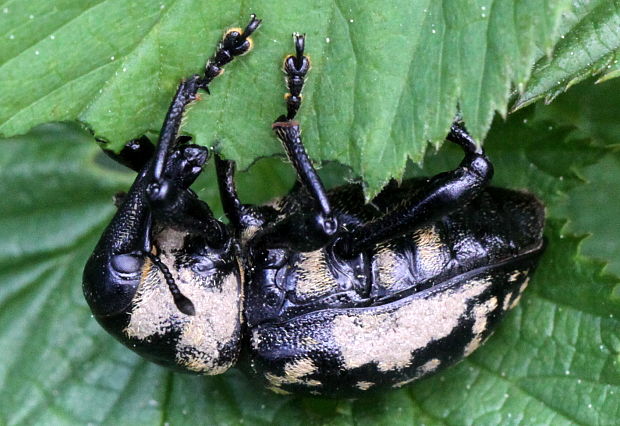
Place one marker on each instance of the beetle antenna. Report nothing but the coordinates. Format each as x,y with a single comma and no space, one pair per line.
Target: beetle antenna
182,303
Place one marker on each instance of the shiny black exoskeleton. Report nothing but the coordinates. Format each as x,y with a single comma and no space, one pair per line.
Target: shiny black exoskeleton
324,293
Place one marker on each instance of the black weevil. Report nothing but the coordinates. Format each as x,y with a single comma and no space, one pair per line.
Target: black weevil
324,293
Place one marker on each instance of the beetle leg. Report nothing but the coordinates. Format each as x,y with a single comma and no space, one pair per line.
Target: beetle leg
241,216
441,195
171,201
174,168
305,231
231,203
296,67
235,42
289,132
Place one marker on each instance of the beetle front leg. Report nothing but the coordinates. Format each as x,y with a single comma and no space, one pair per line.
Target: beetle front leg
236,42
441,195
311,230
168,194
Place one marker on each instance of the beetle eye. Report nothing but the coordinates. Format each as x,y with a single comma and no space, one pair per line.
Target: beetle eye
126,265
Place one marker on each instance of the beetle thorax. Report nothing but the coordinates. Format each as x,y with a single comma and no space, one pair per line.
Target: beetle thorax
204,340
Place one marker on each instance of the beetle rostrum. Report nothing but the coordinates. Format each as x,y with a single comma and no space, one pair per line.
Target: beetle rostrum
322,292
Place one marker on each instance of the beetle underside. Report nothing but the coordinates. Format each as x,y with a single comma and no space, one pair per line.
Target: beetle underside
326,294
406,309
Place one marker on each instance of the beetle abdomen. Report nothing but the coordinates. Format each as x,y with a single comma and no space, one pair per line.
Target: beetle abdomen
345,351
422,301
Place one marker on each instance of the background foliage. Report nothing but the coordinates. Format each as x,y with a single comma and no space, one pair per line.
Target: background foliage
386,78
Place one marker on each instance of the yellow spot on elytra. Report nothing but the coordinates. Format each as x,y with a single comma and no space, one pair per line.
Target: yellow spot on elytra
481,314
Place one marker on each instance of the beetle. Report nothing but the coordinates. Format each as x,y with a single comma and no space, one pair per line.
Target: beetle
324,293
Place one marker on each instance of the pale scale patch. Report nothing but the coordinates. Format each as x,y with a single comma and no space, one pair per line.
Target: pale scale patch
426,368
279,391
294,373
256,339
152,306
389,338
430,366
362,385
217,318
515,302
216,322
430,251
314,278
385,263
524,285
506,303
248,233
521,290
514,276
481,313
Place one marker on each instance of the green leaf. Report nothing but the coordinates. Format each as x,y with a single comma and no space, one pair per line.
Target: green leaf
591,108
57,366
592,47
593,206
387,76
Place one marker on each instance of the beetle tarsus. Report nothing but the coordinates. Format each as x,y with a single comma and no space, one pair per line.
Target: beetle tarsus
235,42
296,67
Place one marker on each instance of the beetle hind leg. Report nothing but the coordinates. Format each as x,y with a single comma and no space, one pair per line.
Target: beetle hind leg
441,195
